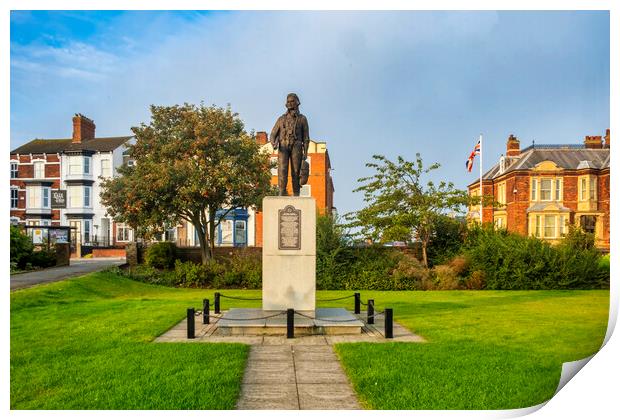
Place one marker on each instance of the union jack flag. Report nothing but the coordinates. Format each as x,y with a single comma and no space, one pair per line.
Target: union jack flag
469,163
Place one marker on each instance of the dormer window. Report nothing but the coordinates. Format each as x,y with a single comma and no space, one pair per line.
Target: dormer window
502,164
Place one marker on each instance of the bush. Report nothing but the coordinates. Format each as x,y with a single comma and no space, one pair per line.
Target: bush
460,265
43,258
189,274
514,262
21,248
475,281
446,240
446,278
160,255
410,274
242,270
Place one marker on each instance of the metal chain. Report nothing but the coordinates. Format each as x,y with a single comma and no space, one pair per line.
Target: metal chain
327,320
240,298
330,300
252,319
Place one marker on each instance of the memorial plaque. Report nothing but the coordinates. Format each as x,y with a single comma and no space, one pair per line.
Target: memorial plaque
289,228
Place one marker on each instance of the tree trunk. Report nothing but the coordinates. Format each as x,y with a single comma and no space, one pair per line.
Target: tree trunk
212,232
205,255
424,254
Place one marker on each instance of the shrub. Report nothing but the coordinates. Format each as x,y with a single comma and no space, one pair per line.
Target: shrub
43,258
460,265
446,278
410,274
160,255
21,247
511,261
446,239
475,281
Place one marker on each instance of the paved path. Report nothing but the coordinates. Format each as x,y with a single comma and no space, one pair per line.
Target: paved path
294,377
78,267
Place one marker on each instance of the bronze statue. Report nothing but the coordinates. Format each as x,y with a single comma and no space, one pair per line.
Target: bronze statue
291,138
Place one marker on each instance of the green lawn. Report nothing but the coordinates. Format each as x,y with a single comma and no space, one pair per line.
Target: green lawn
86,343
485,350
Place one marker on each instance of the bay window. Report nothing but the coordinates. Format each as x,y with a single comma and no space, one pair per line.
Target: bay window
37,197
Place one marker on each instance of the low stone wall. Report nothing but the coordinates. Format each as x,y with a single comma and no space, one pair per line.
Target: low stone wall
109,252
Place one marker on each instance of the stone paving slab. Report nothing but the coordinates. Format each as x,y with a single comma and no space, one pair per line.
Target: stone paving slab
326,397
268,397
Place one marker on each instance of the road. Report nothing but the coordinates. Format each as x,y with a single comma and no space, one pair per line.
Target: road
78,267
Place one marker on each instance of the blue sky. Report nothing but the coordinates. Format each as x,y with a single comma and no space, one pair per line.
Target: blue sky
369,82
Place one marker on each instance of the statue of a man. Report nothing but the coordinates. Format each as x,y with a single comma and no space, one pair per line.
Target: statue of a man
291,138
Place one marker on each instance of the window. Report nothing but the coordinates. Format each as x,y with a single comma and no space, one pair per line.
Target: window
105,168
588,223
14,198
34,197
122,233
558,189
86,165
226,232
592,188
87,231
240,231
305,191
87,202
46,197
39,170
537,227
562,227
545,189
499,223
534,187
502,164
14,173
549,226
74,196
171,235
583,189
75,165
501,194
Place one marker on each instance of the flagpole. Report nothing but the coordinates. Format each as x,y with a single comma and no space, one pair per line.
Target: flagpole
481,179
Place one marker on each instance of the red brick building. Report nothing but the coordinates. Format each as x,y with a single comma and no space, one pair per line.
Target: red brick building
542,189
320,184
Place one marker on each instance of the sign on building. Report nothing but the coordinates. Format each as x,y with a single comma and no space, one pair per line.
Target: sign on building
59,199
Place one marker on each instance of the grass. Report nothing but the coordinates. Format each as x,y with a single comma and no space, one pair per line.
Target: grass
86,343
485,350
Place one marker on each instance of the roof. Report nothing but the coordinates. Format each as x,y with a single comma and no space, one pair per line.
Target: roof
99,144
564,156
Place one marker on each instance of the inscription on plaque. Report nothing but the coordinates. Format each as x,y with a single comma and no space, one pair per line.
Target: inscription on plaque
289,228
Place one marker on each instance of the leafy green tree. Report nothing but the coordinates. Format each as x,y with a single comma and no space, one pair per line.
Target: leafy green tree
191,161
399,206
333,254
21,246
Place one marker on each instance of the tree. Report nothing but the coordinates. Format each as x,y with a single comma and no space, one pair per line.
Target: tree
191,161
400,207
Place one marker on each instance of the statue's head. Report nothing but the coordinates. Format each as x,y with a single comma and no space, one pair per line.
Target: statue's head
292,101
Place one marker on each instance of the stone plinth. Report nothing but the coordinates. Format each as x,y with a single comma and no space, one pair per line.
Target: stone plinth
289,253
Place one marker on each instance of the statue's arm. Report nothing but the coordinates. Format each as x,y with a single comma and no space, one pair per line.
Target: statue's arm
274,137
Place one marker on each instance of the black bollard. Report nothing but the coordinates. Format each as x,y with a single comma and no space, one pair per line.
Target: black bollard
191,314
205,311
389,323
290,323
371,311
357,303
216,304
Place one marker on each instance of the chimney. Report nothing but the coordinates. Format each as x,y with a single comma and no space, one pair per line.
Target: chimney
594,142
607,138
261,137
513,146
83,128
